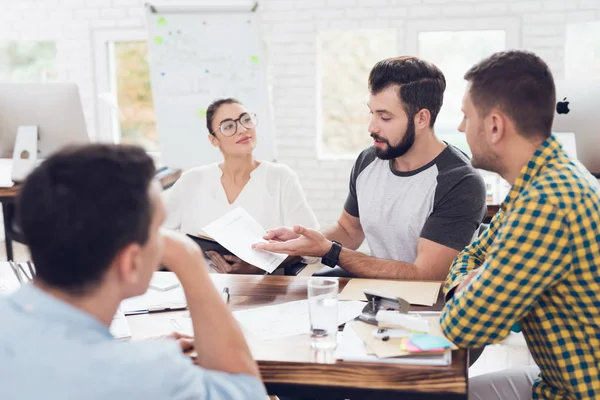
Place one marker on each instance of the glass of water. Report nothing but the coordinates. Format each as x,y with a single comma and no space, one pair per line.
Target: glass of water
323,312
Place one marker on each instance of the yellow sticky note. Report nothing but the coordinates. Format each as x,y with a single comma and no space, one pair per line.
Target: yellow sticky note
158,40
162,21
254,59
202,112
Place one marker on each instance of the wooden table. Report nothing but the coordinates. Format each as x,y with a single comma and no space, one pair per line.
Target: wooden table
289,366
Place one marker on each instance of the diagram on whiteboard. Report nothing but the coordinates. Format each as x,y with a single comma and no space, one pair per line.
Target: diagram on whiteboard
194,60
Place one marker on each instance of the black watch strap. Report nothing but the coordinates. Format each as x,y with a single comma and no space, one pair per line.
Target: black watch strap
332,257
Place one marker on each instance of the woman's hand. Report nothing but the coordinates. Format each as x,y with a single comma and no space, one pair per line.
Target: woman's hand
228,264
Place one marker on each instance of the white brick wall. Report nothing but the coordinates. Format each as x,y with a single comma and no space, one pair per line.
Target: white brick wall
290,28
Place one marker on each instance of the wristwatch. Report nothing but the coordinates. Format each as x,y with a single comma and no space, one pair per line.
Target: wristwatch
332,257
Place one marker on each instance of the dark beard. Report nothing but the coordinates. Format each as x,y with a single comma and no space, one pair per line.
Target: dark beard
401,148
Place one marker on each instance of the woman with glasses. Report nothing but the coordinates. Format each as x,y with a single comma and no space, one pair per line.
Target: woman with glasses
269,192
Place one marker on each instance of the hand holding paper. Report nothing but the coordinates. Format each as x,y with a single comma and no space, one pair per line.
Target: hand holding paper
237,231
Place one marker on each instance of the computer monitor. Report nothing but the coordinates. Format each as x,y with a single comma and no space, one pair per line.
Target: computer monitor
55,108
578,111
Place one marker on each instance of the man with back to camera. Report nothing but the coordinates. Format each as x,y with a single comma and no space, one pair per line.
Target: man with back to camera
91,217
537,263
417,200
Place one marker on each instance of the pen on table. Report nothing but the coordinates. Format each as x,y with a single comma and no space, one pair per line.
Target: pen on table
225,295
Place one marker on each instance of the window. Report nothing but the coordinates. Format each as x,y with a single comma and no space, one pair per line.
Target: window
582,51
125,112
454,53
345,60
137,121
454,50
27,61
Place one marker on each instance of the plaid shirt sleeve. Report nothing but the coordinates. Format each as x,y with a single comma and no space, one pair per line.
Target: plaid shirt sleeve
531,254
470,257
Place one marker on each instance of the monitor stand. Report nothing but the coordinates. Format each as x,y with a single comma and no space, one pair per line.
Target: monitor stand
25,152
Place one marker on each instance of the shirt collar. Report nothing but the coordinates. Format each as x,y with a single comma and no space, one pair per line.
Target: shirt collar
32,300
542,156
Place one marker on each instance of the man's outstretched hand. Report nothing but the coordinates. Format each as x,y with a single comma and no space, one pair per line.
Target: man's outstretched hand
300,241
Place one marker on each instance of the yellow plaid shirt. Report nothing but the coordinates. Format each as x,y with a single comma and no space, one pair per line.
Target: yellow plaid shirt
539,266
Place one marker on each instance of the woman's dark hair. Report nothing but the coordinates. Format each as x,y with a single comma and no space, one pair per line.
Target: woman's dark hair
213,108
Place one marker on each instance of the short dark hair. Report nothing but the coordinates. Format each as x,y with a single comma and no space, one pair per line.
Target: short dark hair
520,84
80,207
212,110
422,84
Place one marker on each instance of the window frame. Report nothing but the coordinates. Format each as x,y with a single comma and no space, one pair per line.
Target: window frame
107,118
511,25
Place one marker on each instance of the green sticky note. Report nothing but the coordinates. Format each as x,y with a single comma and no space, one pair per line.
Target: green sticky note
162,21
254,59
158,39
202,112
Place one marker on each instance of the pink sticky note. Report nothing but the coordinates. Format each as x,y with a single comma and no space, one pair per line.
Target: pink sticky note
411,348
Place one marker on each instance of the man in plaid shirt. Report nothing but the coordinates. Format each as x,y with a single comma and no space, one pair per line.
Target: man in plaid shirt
537,264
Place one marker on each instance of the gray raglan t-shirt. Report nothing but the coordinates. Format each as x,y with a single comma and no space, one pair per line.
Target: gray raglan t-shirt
443,201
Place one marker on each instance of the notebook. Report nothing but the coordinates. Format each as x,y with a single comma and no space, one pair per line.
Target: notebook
156,300
208,244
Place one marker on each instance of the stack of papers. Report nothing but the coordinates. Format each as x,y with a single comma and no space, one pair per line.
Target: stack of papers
237,231
353,347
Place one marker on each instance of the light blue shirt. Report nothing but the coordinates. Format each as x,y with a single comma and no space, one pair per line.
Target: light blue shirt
52,350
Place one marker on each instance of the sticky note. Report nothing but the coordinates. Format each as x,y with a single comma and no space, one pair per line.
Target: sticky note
427,342
158,39
202,112
162,21
254,59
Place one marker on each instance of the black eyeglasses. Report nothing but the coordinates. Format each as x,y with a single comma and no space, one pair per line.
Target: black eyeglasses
229,127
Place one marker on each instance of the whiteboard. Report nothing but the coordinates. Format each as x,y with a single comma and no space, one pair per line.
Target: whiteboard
199,56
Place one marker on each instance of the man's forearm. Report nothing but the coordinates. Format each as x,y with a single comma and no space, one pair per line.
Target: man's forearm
218,339
339,234
458,272
364,266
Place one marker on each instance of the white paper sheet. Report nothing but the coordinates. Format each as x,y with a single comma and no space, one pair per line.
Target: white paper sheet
119,327
289,319
164,280
8,281
237,231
